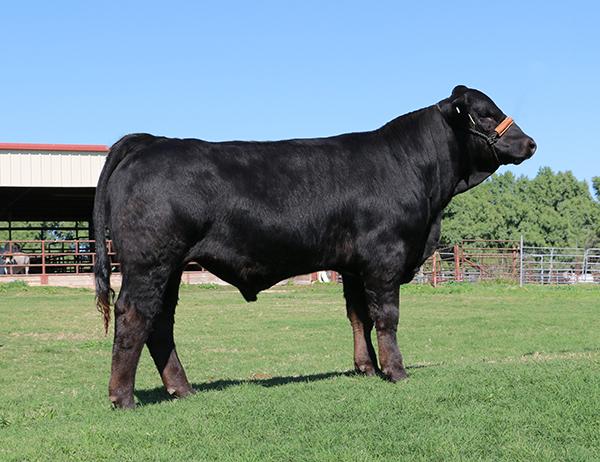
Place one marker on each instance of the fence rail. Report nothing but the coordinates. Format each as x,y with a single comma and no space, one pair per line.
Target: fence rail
50,256
470,261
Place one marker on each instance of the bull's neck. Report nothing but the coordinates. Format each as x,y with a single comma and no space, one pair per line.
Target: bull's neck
424,142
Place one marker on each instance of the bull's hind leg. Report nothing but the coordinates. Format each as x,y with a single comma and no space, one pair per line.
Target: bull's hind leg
131,331
365,360
139,303
161,344
383,303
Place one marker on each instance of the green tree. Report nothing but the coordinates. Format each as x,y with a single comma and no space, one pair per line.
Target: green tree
552,209
596,185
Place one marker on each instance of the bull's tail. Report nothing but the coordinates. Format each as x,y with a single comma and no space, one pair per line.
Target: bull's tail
104,293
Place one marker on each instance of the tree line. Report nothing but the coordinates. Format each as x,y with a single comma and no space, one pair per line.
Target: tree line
48,230
552,209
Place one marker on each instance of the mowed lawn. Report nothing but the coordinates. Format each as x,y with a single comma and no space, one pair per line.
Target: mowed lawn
496,373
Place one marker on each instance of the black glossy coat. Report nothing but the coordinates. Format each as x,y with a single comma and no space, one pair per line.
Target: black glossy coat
367,205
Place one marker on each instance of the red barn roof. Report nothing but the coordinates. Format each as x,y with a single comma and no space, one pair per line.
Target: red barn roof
53,147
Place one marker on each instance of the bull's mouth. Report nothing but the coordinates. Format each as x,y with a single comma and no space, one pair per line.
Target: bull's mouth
527,156
521,159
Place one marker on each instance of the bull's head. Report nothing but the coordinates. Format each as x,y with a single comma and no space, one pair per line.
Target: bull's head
487,137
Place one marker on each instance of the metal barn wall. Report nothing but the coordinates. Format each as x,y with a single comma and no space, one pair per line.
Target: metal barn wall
45,168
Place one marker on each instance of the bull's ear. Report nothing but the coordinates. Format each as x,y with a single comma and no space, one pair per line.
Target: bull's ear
459,90
455,108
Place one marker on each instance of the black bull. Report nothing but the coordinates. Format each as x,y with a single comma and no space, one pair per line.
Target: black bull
367,205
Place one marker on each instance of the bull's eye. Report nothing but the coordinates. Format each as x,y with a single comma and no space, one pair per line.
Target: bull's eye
488,122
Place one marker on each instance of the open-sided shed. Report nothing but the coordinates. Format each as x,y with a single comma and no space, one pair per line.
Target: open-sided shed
49,182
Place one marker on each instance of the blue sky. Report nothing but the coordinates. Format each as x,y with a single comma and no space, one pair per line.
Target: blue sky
83,72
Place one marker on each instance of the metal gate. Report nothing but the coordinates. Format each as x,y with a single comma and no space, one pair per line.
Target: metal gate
559,265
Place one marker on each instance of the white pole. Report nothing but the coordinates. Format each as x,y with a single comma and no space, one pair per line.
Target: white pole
521,262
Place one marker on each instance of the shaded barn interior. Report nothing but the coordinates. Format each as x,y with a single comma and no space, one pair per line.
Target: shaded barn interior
48,204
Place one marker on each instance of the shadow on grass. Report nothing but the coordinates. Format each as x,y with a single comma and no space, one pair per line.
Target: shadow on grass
159,394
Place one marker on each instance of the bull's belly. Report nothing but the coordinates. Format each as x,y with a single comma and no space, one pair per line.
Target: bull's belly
252,275
250,282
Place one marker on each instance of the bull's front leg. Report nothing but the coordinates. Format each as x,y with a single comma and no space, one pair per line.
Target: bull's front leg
383,301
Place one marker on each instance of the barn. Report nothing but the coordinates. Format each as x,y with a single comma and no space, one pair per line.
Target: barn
48,182
47,185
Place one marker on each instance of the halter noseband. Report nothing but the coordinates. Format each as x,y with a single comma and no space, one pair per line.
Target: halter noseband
490,139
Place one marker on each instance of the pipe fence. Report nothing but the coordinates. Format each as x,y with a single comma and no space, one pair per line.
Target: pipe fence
470,261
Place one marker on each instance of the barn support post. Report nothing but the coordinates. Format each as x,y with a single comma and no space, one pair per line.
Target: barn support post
90,230
44,276
77,259
521,262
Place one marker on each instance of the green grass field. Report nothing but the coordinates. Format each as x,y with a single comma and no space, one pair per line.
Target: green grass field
497,373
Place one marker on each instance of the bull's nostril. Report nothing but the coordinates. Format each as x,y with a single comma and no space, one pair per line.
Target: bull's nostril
532,146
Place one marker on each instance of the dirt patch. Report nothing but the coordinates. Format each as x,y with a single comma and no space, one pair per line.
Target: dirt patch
537,356
220,350
52,335
259,376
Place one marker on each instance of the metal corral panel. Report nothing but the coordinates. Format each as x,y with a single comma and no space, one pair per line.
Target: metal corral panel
51,166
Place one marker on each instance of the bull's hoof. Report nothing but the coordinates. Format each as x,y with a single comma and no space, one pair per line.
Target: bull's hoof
181,392
395,374
365,369
122,402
